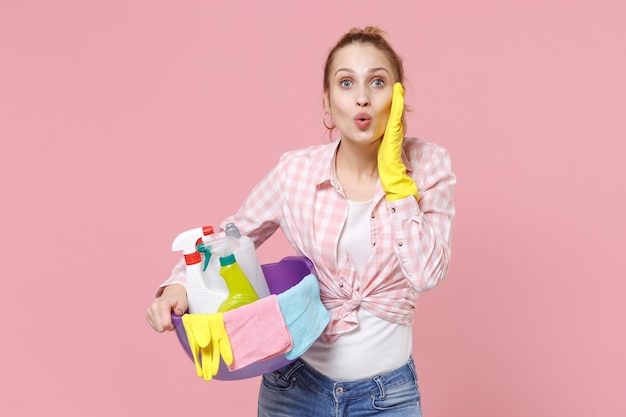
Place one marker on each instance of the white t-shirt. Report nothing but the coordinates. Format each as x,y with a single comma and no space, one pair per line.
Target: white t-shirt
376,346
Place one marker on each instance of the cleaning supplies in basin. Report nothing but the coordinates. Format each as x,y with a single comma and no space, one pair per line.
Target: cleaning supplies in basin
203,250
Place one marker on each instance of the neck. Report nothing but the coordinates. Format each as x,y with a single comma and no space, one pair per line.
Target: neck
360,161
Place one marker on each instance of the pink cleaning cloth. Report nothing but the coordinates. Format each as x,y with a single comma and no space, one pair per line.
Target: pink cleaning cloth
257,331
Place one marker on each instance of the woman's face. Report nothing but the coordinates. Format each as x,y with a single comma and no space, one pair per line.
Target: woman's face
359,96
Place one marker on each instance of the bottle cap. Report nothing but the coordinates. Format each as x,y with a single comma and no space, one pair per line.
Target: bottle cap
227,260
232,230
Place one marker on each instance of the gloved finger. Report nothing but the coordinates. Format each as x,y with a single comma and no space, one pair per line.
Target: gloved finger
216,323
207,359
215,359
394,125
188,321
213,355
220,340
195,350
226,351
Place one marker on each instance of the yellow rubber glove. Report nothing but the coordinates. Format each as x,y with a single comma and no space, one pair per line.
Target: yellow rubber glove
207,336
393,177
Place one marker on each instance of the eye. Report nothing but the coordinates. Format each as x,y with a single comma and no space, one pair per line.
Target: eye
378,82
345,83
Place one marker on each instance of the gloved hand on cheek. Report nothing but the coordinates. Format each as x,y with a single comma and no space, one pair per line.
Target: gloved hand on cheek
396,183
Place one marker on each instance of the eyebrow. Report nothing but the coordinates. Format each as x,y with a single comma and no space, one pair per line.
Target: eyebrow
370,71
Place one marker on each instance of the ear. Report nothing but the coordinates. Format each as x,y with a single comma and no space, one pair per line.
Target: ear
326,101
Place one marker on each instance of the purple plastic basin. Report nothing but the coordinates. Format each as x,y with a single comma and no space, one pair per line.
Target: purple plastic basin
280,276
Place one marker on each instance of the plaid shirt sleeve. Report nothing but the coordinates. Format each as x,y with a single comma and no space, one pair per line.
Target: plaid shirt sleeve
261,212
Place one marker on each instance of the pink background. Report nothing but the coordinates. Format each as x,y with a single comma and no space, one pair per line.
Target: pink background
123,123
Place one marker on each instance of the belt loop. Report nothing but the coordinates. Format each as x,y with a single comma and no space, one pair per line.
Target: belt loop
381,387
411,365
296,365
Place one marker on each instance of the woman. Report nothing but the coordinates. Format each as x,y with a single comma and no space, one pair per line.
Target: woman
373,211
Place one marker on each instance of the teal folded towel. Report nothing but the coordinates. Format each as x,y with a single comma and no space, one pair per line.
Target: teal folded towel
304,314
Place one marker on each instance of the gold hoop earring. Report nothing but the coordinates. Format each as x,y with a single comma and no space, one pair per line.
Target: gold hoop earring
332,124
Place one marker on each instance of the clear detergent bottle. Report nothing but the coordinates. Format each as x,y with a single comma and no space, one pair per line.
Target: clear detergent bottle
241,291
245,253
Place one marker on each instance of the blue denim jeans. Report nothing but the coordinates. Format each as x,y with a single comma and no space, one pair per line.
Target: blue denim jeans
297,390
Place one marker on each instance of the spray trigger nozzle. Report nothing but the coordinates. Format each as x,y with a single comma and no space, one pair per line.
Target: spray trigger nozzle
206,249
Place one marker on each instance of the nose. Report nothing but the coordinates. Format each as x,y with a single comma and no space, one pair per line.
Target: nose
362,98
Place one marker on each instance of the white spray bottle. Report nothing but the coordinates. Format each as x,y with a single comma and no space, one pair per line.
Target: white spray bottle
206,289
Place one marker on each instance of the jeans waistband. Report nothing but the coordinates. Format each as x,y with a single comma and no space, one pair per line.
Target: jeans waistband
364,387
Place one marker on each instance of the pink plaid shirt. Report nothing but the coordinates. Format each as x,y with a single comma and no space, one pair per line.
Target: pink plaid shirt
410,239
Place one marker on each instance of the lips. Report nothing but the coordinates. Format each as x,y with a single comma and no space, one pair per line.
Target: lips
362,120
